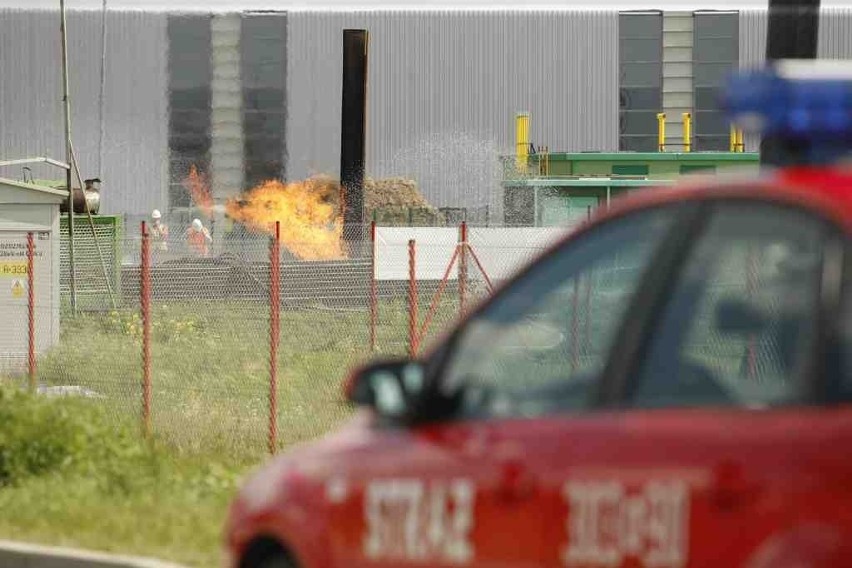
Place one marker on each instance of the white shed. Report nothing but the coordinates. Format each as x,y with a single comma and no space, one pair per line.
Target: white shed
28,208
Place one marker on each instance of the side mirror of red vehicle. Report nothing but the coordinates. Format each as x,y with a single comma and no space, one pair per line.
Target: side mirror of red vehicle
392,387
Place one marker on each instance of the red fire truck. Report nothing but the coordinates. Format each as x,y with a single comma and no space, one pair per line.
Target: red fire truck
701,421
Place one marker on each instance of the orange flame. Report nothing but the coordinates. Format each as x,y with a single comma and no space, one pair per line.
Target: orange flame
310,225
198,186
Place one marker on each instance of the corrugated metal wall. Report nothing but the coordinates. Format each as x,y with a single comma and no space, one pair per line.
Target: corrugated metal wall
135,141
835,34
752,38
835,42
444,88
443,91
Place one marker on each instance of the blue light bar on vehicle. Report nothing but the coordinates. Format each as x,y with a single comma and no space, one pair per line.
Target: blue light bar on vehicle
798,100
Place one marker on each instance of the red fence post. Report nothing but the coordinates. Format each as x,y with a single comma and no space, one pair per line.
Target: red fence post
413,339
31,358
274,332
374,293
433,306
145,306
462,265
482,270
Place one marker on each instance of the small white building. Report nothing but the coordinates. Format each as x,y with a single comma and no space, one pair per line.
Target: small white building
26,208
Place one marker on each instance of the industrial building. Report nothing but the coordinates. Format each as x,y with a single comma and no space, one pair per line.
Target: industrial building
247,96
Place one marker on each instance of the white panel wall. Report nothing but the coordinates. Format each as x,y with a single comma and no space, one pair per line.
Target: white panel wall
500,251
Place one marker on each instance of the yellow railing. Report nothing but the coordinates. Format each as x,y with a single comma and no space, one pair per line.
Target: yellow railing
661,131
737,143
522,140
544,161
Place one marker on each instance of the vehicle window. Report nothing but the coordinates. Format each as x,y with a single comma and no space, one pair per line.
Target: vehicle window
540,345
741,315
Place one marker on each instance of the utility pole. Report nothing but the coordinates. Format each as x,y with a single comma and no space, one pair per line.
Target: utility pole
102,89
66,105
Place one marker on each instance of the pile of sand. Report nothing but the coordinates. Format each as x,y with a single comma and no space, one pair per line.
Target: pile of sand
379,194
393,192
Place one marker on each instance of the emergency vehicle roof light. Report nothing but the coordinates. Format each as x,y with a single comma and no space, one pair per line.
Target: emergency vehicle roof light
797,100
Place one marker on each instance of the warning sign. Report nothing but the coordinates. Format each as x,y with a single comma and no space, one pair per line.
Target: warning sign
13,269
17,289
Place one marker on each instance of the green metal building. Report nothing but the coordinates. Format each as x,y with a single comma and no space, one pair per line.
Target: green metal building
559,188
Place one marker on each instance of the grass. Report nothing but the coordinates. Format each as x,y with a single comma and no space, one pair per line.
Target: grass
175,514
210,377
77,472
70,475
209,417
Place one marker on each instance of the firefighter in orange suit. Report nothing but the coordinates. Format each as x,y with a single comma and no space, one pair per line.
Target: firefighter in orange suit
198,238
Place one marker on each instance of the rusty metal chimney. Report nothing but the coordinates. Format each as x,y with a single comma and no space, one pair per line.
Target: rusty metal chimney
352,136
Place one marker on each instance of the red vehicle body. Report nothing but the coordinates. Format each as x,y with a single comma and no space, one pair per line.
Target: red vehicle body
690,430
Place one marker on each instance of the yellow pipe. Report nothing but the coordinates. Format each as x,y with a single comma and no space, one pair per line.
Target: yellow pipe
661,131
734,137
687,132
522,140
740,141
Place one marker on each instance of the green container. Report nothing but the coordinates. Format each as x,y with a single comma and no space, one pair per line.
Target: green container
577,182
654,165
96,291
542,202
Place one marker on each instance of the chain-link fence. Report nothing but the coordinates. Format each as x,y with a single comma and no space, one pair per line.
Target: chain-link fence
89,355
243,342
183,339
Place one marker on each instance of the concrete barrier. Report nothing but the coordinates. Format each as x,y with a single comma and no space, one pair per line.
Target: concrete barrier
23,555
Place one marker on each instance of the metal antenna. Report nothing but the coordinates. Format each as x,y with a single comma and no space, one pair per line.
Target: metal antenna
103,86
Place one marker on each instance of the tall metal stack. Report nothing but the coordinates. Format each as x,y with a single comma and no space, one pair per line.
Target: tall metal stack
791,34
352,136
